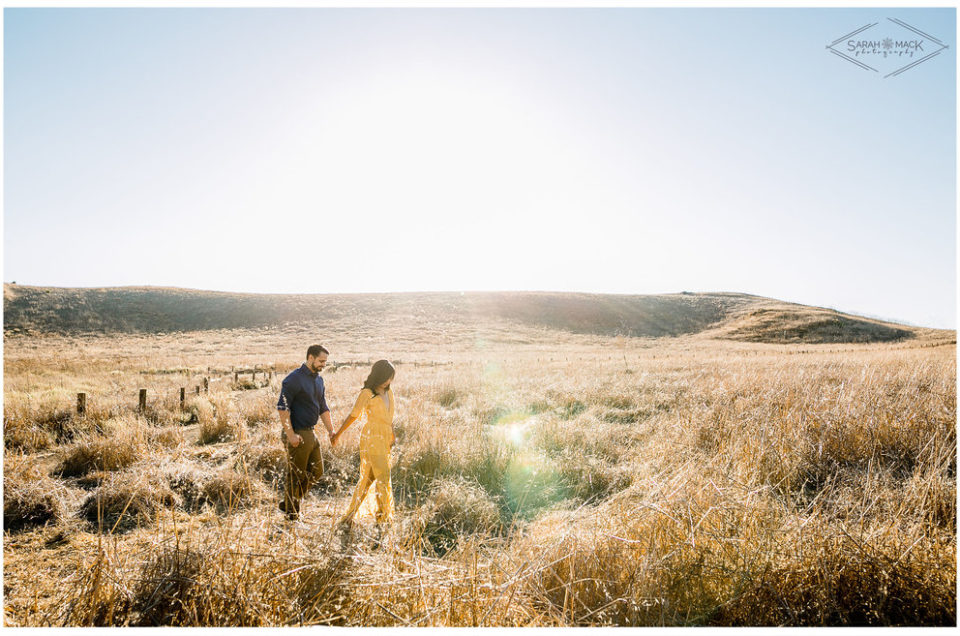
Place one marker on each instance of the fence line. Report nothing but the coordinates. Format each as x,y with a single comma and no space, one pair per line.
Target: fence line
142,394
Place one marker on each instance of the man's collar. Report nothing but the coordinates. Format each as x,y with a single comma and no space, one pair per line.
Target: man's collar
307,369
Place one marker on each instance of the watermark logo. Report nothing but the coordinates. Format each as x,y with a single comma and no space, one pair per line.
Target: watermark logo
891,47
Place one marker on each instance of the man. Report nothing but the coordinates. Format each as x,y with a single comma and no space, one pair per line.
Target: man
302,403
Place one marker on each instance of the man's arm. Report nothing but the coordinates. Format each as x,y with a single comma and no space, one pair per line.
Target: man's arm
292,436
325,410
287,391
325,416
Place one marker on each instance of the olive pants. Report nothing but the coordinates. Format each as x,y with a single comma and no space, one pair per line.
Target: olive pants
304,464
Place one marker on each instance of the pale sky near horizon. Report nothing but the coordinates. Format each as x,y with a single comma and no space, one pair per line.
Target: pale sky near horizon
599,150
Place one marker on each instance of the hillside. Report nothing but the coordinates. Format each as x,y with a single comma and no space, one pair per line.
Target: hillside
718,315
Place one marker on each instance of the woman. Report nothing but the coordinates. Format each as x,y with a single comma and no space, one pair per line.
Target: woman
376,400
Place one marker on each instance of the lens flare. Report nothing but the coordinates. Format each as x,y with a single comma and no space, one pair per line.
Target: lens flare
516,434
532,480
513,428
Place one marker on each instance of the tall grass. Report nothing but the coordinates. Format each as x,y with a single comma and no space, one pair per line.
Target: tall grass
243,576
30,497
536,485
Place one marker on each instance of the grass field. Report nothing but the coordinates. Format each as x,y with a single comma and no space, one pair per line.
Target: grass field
542,478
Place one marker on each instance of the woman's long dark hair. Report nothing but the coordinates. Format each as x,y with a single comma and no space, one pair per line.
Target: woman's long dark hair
380,373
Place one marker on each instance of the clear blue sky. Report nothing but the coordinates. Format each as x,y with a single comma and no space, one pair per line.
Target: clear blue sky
338,150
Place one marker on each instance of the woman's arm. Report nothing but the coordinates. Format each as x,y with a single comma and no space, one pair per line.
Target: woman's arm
393,432
354,415
346,423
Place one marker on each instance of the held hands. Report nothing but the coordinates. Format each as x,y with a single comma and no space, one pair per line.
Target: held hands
333,437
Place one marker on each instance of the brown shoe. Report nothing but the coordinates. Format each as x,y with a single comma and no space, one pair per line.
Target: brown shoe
291,514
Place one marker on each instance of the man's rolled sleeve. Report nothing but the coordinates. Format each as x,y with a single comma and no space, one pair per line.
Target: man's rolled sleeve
288,390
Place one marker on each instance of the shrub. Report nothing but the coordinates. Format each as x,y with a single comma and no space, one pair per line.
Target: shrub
57,420
245,384
92,479
49,415
228,490
265,455
99,452
589,478
24,435
168,581
493,414
259,409
186,479
127,500
247,580
161,415
531,484
168,437
200,410
29,496
448,396
826,578
430,454
571,408
223,426
562,438
456,508
623,564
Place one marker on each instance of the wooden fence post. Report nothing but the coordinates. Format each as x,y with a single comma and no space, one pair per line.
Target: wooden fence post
183,396
236,376
198,389
143,401
81,404
206,385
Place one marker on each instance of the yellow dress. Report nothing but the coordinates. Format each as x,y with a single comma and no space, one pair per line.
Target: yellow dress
374,452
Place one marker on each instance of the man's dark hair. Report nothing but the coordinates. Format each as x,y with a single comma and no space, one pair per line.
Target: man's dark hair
315,350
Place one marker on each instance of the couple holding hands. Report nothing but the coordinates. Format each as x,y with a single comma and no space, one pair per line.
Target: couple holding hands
302,404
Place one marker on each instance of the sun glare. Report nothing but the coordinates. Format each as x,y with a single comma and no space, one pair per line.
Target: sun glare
432,157
424,144
516,433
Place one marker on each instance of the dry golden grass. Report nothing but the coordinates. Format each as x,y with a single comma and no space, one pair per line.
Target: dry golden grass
263,455
127,500
541,479
223,425
95,452
22,434
454,511
243,575
229,490
30,497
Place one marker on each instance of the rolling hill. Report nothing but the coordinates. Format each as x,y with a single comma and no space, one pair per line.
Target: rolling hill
37,310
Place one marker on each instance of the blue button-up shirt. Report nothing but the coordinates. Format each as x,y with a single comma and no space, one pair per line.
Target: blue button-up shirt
302,394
